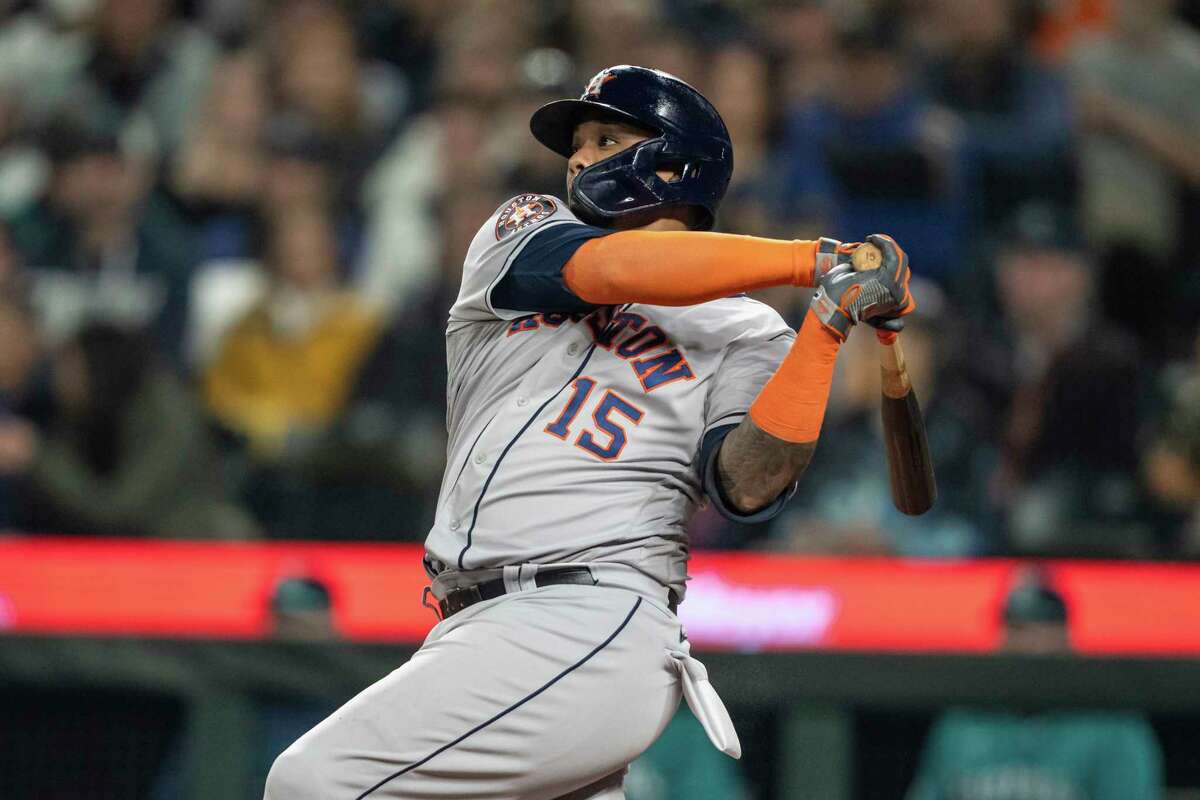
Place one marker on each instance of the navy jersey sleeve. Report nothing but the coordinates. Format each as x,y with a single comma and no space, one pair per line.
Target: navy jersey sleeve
534,281
514,264
709,449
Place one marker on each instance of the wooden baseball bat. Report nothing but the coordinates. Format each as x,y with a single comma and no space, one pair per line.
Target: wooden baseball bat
910,468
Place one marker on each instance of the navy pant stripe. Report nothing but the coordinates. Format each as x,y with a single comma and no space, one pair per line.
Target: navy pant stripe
513,707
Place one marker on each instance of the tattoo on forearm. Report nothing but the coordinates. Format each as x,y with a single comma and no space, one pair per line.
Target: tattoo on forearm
755,467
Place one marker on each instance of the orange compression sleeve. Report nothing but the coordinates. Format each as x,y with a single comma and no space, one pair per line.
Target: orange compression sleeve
792,404
682,268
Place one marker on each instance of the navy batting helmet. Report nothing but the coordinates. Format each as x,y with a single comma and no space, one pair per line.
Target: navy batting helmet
690,139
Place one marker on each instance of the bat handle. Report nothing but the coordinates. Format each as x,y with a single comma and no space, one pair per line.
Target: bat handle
894,371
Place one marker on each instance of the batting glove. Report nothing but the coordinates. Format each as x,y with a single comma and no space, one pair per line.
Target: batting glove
845,297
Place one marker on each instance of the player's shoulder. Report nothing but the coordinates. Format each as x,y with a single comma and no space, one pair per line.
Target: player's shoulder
512,224
521,214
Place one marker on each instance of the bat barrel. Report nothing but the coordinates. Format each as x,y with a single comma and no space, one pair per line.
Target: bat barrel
910,468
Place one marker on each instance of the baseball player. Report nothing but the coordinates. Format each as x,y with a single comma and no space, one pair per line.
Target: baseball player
606,375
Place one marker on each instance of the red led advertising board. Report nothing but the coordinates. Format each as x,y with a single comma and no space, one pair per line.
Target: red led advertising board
736,601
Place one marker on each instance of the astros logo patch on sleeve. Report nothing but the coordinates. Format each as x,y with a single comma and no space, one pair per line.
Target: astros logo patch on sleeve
523,211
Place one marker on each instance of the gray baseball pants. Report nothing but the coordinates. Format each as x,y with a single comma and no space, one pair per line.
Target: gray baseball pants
535,695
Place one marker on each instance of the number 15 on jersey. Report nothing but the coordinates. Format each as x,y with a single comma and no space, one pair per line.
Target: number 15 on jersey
610,404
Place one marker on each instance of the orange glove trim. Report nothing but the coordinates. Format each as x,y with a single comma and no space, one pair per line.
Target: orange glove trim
791,406
682,268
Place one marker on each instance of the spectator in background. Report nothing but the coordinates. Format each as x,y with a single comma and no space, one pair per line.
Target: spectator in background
462,141
1172,463
869,154
131,66
374,472
23,167
221,169
302,610
127,453
23,393
12,278
1069,433
603,34
846,504
526,165
43,49
148,69
289,363
298,174
450,147
1009,114
672,50
286,379
100,244
1057,753
403,34
1139,155
303,172
480,47
316,74
802,36
739,82
1059,24
24,385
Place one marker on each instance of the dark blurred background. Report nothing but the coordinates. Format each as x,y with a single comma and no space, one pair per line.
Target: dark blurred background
230,231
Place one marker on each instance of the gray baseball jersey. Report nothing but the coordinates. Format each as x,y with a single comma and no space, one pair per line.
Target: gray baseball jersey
575,437
578,435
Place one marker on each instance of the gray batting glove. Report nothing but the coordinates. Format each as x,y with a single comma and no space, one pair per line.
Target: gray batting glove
845,297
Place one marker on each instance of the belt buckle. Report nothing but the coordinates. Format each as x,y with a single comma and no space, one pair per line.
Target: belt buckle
458,599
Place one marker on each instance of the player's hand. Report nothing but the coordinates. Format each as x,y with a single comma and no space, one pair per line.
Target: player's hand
845,297
888,326
887,329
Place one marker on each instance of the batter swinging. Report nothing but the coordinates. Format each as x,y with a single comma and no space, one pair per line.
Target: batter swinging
606,375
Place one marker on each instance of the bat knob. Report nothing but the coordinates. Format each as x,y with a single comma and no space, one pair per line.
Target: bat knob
866,257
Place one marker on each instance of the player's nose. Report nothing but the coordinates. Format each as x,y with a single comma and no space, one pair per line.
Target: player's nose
581,159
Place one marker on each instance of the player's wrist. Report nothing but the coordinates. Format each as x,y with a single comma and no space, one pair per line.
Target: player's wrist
791,407
804,262
832,318
813,258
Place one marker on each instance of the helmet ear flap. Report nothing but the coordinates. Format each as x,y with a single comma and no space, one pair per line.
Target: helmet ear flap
622,187
609,191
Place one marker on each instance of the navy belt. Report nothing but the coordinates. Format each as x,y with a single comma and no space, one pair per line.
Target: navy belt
464,597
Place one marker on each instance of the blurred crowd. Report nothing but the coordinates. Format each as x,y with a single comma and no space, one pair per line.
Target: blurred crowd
230,232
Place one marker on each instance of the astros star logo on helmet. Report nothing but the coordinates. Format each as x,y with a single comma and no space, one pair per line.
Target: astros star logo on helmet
596,83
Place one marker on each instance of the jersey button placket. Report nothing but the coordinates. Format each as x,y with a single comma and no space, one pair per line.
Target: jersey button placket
522,401
572,348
